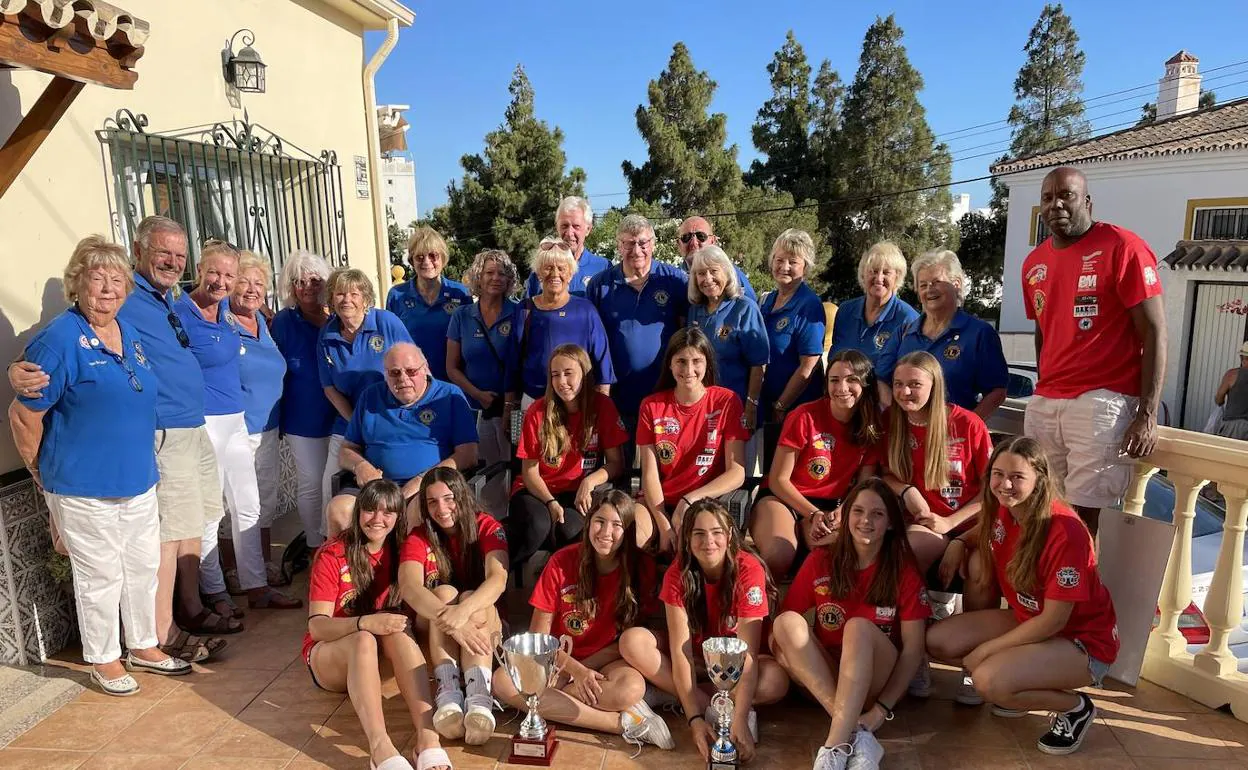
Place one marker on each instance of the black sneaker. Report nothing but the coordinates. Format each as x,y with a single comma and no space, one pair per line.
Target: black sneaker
1068,728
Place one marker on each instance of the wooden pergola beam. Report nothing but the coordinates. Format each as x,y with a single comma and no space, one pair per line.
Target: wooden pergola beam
35,127
26,43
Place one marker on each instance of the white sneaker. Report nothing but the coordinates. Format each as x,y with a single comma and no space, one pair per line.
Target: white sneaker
479,719
833,757
448,718
867,751
921,684
752,723
1009,713
967,695
641,724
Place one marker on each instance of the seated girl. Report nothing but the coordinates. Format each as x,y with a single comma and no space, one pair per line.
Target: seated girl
869,606
825,447
717,586
569,444
590,591
937,459
689,435
1060,631
356,617
453,569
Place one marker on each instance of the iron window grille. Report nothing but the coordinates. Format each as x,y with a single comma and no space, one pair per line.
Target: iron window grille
1220,224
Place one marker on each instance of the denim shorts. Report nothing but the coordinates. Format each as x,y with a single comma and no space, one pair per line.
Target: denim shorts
1097,669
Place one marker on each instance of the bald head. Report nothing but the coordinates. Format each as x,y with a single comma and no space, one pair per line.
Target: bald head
1065,205
693,234
407,372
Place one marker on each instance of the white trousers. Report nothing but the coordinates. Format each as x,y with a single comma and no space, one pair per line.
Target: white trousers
327,478
237,471
267,458
114,551
311,455
494,446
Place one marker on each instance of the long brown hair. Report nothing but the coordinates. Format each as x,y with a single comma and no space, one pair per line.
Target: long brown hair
553,434
1033,517
693,580
841,557
377,495
936,469
628,596
465,527
687,337
864,422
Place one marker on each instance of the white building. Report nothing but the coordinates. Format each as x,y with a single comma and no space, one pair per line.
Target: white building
398,170
961,207
1181,183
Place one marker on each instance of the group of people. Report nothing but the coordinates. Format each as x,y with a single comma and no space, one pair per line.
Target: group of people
881,480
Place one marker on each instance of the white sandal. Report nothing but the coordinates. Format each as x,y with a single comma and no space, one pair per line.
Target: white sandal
121,686
397,762
432,758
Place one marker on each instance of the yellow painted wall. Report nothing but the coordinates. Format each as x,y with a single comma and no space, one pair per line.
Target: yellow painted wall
314,99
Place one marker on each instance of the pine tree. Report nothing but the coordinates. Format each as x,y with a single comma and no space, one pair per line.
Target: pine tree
825,135
689,170
508,194
782,130
895,172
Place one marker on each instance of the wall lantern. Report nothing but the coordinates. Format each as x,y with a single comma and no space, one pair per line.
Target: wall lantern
245,69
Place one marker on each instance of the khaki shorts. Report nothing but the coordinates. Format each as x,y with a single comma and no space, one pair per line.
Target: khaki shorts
1083,440
188,495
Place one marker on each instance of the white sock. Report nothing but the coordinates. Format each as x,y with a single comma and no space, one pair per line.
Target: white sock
477,681
447,675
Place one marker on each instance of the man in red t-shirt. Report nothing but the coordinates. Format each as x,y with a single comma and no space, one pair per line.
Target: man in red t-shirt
1094,293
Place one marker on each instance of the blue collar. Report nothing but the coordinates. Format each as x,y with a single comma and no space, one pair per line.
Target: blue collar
166,296
333,328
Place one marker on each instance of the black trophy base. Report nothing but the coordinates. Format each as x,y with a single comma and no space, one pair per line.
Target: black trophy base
539,753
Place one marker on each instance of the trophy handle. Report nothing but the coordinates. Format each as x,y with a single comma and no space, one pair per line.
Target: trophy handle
496,647
565,645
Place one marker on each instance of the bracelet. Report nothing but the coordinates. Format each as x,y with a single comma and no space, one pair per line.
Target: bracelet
685,500
957,540
751,400
813,514
696,717
548,502
779,407
902,495
888,712
358,618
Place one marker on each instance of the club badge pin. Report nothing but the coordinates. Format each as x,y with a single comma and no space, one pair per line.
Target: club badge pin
427,416
666,451
376,343
782,324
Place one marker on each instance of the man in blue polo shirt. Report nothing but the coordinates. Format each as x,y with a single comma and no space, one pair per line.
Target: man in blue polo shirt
641,303
696,232
573,221
189,492
402,428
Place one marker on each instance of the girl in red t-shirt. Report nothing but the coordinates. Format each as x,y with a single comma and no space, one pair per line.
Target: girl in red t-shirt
690,437
589,592
1060,632
355,614
869,608
825,447
937,457
717,586
569,445
453,569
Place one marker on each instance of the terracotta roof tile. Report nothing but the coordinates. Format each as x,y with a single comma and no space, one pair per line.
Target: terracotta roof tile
1181,56
1209,255
102,21
1220,128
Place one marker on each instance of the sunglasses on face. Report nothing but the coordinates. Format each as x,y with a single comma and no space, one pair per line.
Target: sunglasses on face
395,374
701,236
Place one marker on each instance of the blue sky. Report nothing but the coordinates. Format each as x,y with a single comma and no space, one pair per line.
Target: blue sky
590,65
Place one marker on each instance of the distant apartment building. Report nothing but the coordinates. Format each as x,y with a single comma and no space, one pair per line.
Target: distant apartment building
398,170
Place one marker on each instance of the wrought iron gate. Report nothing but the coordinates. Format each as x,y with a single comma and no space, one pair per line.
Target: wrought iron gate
236,181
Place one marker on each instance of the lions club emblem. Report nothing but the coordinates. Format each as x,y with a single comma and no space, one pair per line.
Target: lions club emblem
724,331
451,306
574,621
881,339
505,328
427,416
754,596
818,468
831,616
666,451
376,343
953,352
782,324
661,297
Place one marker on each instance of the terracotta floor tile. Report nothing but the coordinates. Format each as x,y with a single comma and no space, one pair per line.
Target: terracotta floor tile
902,756
153,688
38,759
180,732
81,726
1153,697
232,763
293,691
392,702
133,762
1187,736
943,756
303,763
223,689
931,723
262,737
340,741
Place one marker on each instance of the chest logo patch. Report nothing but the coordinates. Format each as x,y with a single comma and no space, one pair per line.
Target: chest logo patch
661,298
782,324
831,616
505,328
427,416
409,302
666,426
1068,577
666,451
881,339
376,342
82,342
574,621
724,332
451,306
1087,282
953,352
998,533
818,468
1085,324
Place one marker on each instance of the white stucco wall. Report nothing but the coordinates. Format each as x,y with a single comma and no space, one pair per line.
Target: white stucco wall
1149,197
314,99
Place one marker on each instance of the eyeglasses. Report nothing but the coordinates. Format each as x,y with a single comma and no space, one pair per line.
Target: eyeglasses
395,374
178,329
701,236
303,283
640,243
134,378
211,242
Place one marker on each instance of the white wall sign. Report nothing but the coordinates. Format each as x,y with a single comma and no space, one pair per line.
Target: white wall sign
361,176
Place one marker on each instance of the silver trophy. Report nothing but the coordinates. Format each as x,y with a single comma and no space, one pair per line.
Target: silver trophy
725,662
529,659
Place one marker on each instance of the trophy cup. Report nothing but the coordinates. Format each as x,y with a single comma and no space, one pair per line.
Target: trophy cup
725,662
529,659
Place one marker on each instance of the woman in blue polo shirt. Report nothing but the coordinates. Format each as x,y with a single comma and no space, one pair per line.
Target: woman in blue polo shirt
795,324
968,349
426,303
307,417
262,369
350,352
868,323
87,441
477,344
734,325
217,344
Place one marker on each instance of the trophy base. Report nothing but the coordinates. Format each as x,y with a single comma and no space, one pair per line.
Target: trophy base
713,765
539,753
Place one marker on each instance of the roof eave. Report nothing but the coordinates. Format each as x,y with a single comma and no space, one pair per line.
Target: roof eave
375,14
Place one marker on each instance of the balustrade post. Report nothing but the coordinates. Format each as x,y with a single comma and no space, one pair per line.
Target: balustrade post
1224,605
1176,586
1133,503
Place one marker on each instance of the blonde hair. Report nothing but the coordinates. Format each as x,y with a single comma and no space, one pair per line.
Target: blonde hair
424,240
936,450
882,255
472,276
942,259
92,253
712,256
552,249
347,278
797,243
298,263
249,260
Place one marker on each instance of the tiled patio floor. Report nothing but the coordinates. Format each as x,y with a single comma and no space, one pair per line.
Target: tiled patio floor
257,709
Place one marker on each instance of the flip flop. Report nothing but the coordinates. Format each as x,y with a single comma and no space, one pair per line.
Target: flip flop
397,762
435,757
